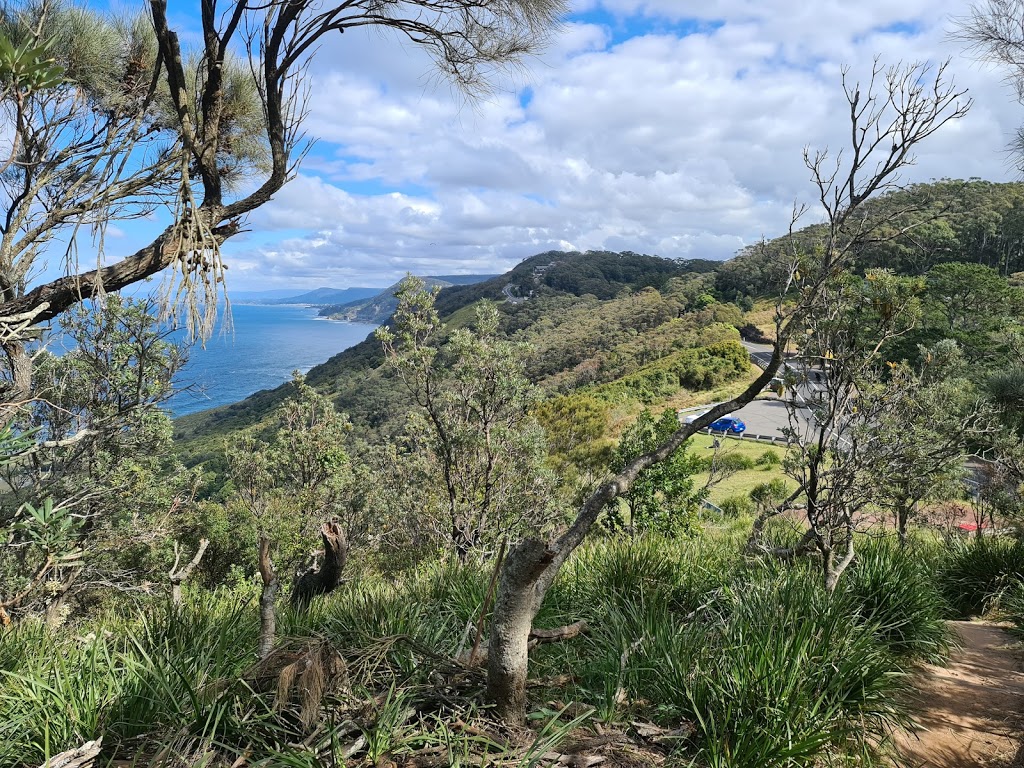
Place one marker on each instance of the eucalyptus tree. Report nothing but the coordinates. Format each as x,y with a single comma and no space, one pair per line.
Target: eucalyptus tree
889,117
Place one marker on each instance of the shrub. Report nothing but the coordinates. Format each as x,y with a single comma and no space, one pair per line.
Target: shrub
777,674
731,461
163,670
737,506
973,574
751,332
892,590
769,460
647,569
1011,606
769,494
700,368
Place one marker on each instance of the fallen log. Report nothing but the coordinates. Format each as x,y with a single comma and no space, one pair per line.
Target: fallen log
79,757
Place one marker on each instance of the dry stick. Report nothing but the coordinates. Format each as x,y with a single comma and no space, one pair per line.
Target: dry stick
487,602
79,757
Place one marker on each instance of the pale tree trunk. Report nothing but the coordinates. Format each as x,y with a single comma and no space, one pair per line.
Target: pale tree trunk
268,611
518,600
835,567
19,389
177,577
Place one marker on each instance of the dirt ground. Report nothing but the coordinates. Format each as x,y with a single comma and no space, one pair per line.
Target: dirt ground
971,713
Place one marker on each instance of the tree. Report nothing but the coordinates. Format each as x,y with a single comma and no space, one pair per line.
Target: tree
298,482
663,498
899,108
994,30
96,447
866,431
837,402
933,416
473,421
135,122
970,298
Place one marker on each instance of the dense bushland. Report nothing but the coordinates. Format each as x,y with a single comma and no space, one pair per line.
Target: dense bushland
449,490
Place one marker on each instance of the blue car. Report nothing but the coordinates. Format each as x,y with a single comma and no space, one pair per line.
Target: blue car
728,424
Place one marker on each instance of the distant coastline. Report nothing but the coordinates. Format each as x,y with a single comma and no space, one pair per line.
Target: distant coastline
268,343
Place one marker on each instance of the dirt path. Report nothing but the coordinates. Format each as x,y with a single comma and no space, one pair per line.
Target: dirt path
972,712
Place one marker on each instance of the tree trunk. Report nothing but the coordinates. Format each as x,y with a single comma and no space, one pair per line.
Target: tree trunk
902,513
19,389
268,613
826,565
519,598
836,567
177,577
325,579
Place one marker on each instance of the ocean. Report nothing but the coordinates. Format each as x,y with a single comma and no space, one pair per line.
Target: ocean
268,343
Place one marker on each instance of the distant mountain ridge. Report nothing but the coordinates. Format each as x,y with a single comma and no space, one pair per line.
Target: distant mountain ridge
317,297
378,308
259,297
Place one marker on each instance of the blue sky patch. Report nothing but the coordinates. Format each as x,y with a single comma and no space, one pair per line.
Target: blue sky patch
624,28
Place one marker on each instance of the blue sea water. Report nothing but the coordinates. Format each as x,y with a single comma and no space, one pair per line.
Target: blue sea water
268,343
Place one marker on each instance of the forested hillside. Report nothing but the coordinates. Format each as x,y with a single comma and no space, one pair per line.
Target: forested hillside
575,340
975,221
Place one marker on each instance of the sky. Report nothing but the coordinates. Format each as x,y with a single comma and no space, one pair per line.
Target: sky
665,127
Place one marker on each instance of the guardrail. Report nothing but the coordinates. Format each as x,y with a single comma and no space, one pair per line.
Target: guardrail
748,436
705,504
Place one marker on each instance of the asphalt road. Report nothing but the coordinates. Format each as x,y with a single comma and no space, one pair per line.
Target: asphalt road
764,417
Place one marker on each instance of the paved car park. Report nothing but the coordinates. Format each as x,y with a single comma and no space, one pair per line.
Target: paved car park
767,417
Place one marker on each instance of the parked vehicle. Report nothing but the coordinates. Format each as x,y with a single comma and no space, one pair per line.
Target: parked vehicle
728,424
693,417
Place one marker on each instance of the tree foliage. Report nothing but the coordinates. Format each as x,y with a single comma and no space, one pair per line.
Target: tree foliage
96,447
473,421
663,498
299,479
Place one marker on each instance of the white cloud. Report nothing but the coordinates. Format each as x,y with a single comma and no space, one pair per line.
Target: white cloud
684,139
